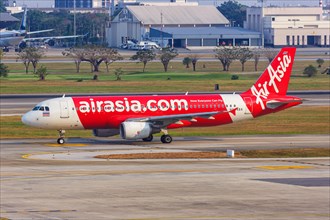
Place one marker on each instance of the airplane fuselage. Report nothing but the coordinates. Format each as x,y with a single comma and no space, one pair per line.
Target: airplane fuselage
139,117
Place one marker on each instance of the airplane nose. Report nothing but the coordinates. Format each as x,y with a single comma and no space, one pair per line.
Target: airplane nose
26,119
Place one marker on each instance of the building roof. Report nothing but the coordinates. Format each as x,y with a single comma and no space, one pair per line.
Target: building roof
203,32
6,19
168,15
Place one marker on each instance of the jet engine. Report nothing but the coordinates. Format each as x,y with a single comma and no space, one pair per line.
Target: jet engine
22,45
135,130
50,42
105,132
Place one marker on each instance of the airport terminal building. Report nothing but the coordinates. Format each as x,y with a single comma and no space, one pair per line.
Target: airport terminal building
178,26
292,26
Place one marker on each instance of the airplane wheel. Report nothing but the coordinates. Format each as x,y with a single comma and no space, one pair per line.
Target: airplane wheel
148,139
166,139
60,141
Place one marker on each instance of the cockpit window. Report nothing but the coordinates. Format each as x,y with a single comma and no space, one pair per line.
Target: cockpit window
36,108
41,108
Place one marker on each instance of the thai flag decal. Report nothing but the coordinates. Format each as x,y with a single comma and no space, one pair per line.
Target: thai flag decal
45,114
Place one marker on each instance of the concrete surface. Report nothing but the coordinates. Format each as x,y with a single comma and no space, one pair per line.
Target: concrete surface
162,189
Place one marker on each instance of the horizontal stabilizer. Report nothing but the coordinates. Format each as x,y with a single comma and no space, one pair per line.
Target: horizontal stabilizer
272,104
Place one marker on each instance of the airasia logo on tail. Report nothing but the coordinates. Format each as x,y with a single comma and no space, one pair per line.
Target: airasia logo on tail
275,77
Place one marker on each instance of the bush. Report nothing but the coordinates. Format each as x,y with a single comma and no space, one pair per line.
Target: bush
310,71
234,77
118,73
42,72
3,70
320,62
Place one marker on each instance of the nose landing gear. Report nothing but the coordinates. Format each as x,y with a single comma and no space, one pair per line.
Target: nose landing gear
61,140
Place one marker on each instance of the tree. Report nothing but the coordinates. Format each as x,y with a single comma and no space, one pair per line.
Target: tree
35,55
226,55
95,55
270,54
111,55
144,56
30,55
310,71
2,7
41,72
320,62
186,61
244,54
77,54
194,59
256,56
118,73
234,12
166,55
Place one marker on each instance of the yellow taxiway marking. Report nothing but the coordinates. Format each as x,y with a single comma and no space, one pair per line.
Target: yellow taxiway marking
66,145
285,167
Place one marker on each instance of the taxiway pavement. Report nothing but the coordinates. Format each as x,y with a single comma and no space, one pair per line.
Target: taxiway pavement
47,188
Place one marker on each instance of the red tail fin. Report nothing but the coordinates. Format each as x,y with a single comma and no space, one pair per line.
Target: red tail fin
275,79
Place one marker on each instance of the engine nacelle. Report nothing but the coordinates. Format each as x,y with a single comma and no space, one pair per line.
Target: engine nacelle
22,45
135,130
105,132
50,42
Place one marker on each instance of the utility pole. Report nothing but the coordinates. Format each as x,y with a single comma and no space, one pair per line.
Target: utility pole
262,24
74,21
161,29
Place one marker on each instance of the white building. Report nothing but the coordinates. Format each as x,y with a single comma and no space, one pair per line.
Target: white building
298,26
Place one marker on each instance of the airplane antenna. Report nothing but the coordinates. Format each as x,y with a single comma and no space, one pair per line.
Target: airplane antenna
186,93
63,96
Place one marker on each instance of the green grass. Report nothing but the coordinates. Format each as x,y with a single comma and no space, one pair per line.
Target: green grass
62,78
298,120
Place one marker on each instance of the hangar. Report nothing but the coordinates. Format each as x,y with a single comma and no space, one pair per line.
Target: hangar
6,19
136,22
189,37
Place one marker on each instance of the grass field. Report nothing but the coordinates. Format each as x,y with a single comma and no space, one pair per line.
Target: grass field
62,78
298,120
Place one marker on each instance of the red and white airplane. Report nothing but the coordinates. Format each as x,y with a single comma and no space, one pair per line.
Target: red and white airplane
139,117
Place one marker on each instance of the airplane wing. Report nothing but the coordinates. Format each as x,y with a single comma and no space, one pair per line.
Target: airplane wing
51,38
41,31
163,121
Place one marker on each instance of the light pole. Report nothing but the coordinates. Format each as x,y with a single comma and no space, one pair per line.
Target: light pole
74,21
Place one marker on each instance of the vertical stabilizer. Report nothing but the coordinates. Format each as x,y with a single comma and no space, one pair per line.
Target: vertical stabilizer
23,22
275,79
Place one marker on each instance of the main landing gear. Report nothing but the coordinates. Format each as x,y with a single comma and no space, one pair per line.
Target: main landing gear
61,140
165,138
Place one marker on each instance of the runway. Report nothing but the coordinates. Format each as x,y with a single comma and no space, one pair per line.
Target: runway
55,188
